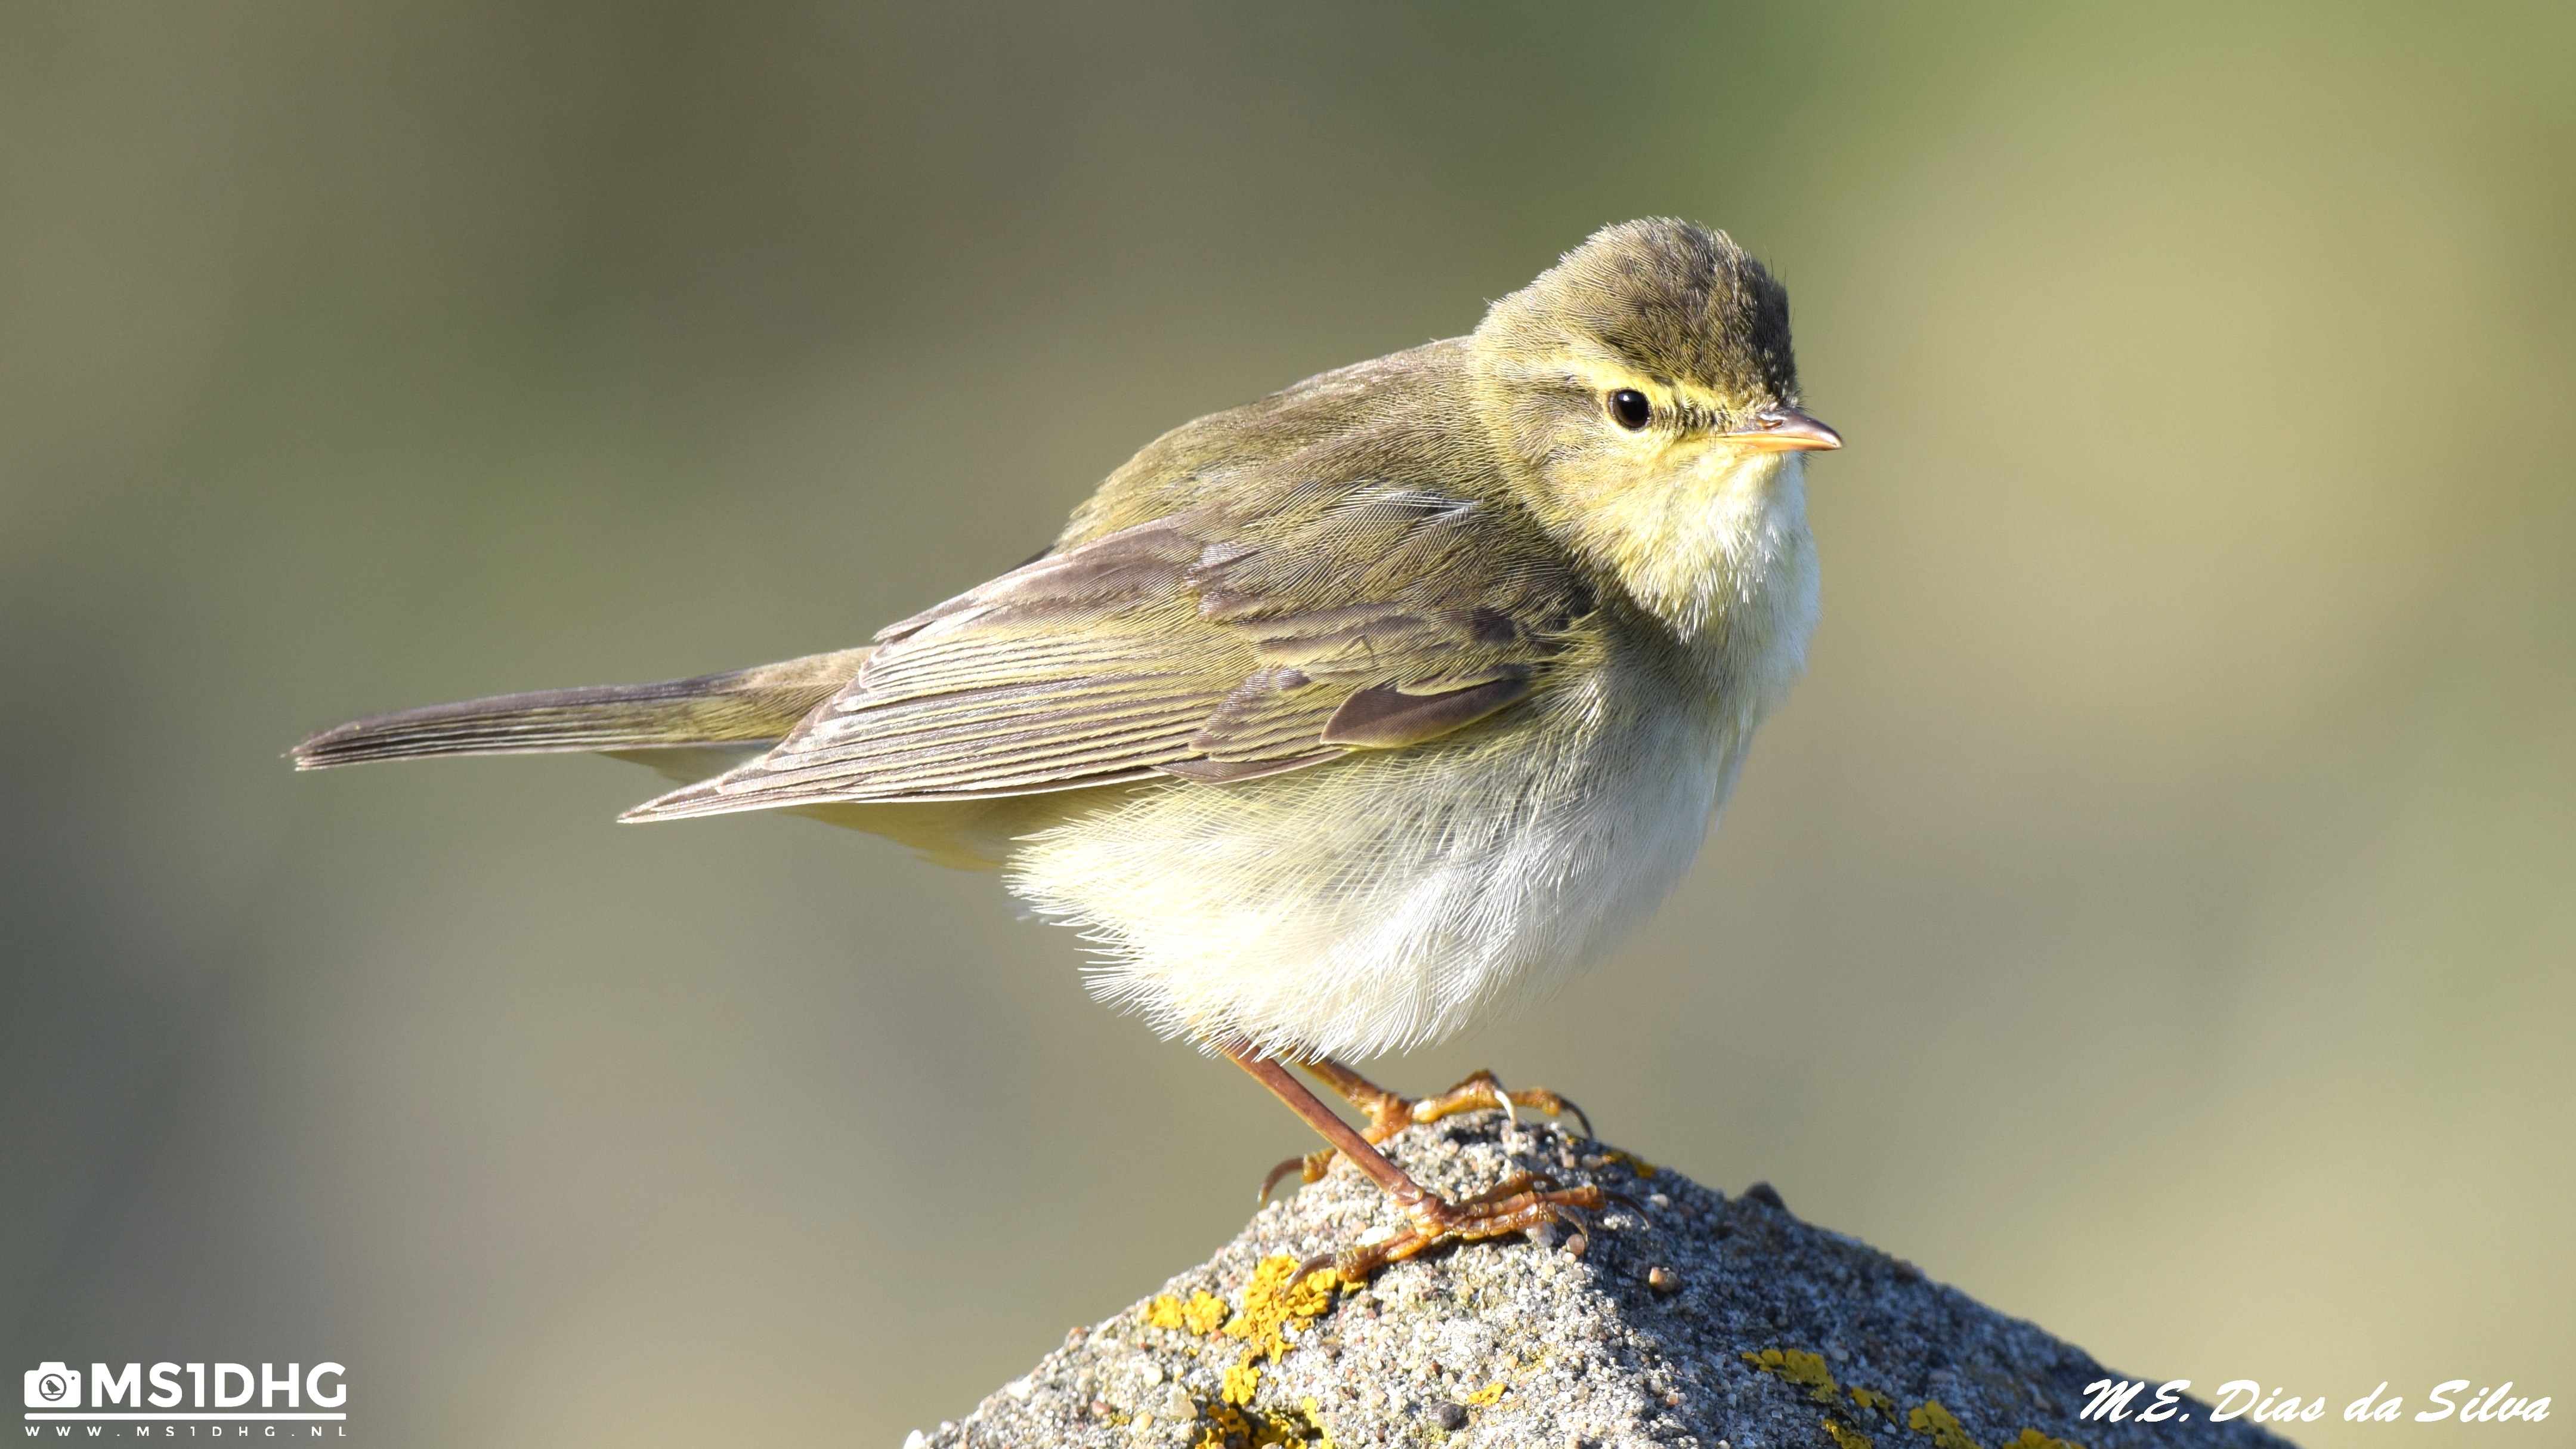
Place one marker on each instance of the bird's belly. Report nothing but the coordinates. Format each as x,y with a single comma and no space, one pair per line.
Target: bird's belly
1384,901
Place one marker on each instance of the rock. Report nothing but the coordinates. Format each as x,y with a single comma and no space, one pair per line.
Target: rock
1685,1320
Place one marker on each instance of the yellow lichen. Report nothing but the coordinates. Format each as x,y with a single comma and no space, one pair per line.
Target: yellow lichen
1481,1397
1277,1430
1225,1427
1636,1164
1270,1304
1228,1427
1798,1367
1929,1417
2033,1439
1842,1425
1315,1416
1200,1315
1241,1381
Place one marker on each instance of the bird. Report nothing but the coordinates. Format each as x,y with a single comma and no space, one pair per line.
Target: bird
1337,721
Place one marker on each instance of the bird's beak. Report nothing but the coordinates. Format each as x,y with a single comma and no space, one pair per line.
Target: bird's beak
1784,430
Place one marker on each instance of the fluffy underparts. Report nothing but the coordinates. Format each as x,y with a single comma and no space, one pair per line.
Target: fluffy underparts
1386,900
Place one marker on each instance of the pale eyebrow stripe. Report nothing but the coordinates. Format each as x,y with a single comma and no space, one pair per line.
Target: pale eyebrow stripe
1696,407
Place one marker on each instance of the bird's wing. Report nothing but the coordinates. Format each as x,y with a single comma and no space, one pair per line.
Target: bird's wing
1344,616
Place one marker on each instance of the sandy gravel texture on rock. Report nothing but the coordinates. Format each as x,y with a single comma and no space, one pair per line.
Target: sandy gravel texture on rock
1690,1319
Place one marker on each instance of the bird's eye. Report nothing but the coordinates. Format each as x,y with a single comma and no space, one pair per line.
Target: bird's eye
1630,407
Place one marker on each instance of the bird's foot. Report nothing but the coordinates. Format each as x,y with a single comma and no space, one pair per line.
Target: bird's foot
1389,1113
1309,1168
1517,1204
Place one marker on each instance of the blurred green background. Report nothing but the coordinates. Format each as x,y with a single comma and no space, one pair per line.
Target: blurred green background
2153,913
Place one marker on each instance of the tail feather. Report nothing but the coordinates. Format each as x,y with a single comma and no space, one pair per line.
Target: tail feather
742,706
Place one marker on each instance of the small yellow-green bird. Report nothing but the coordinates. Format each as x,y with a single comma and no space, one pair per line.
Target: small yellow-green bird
1338,720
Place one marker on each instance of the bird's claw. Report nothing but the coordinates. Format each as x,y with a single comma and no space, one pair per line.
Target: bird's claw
1517,1204
1310,1168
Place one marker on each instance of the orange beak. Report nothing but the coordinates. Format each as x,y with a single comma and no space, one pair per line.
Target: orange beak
1784,430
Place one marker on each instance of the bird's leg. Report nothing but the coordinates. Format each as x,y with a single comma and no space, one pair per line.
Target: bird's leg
1389,1113
1520,1203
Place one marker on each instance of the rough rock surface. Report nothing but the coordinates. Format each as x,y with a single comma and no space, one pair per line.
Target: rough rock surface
1691,1319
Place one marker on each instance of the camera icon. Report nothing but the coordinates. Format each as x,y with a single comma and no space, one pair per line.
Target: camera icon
54,1386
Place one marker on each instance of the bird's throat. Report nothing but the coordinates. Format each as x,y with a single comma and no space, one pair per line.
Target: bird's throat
1721,556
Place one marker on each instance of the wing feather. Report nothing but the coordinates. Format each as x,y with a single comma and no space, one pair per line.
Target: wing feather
1202,646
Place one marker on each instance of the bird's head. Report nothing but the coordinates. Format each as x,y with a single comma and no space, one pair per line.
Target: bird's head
1645,390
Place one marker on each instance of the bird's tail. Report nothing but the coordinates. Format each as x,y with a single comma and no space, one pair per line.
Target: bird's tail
741,707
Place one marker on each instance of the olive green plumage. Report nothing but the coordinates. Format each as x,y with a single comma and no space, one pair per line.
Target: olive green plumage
1428,672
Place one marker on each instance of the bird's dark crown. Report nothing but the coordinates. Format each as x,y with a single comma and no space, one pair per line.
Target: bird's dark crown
1673,299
